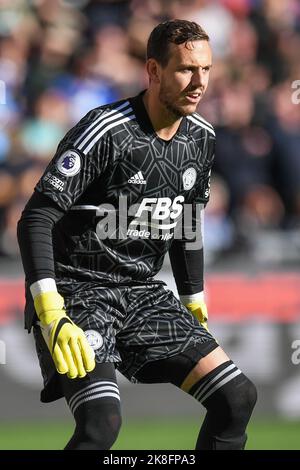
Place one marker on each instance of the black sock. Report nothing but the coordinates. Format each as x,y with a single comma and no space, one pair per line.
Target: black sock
229,397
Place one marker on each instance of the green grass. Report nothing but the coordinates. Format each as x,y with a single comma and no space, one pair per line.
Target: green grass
150,434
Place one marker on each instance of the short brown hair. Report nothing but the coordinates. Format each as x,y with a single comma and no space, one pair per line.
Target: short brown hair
172,31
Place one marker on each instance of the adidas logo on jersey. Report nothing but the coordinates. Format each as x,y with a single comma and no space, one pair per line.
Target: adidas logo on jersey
137,179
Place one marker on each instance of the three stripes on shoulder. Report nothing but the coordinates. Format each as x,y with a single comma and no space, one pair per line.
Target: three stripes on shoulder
102,124
200,121
119,115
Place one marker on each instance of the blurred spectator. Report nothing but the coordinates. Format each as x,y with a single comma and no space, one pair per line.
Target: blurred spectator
285,131
219,234
60,58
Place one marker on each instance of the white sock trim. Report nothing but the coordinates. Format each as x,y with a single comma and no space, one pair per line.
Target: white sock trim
43,285
188,299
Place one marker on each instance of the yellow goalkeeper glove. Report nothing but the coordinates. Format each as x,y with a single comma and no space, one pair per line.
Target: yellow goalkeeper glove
69,348
198,308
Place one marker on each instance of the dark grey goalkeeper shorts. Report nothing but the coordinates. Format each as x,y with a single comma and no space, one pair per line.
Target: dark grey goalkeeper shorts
130,326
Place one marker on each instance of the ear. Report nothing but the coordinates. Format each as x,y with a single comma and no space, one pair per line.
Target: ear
153,69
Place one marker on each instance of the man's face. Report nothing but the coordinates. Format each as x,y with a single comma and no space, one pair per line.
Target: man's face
184,79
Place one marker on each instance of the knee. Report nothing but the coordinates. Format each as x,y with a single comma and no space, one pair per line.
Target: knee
99,432
240,400
251,395
103,433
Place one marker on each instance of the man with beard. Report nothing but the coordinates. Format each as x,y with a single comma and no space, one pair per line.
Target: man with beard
92,298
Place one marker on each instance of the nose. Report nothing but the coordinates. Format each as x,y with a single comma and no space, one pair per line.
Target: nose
198,79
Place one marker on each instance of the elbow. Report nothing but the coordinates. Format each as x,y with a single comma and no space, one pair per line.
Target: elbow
20,228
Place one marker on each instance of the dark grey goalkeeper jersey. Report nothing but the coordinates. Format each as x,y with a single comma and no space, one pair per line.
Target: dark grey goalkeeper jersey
123,189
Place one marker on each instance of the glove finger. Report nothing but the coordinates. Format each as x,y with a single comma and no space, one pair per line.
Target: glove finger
72,369
59,361
76,353
87,353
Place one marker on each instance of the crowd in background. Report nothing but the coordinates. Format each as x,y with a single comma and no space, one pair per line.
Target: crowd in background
60,58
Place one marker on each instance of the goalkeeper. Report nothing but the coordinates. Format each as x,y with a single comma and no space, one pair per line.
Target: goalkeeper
92,299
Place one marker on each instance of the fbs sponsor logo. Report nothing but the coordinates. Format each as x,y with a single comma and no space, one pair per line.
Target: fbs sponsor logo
161,209
137,178
154,218
94,339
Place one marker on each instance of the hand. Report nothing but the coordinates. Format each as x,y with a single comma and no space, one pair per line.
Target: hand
199,309
67,343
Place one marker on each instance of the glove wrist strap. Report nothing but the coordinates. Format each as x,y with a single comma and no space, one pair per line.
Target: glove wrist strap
49,306
190,298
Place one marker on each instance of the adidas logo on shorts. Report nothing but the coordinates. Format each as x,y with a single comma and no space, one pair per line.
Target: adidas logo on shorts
137,179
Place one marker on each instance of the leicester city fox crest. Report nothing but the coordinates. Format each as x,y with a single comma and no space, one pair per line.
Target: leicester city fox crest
189,178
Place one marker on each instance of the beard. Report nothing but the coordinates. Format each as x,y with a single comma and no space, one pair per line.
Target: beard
167,99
